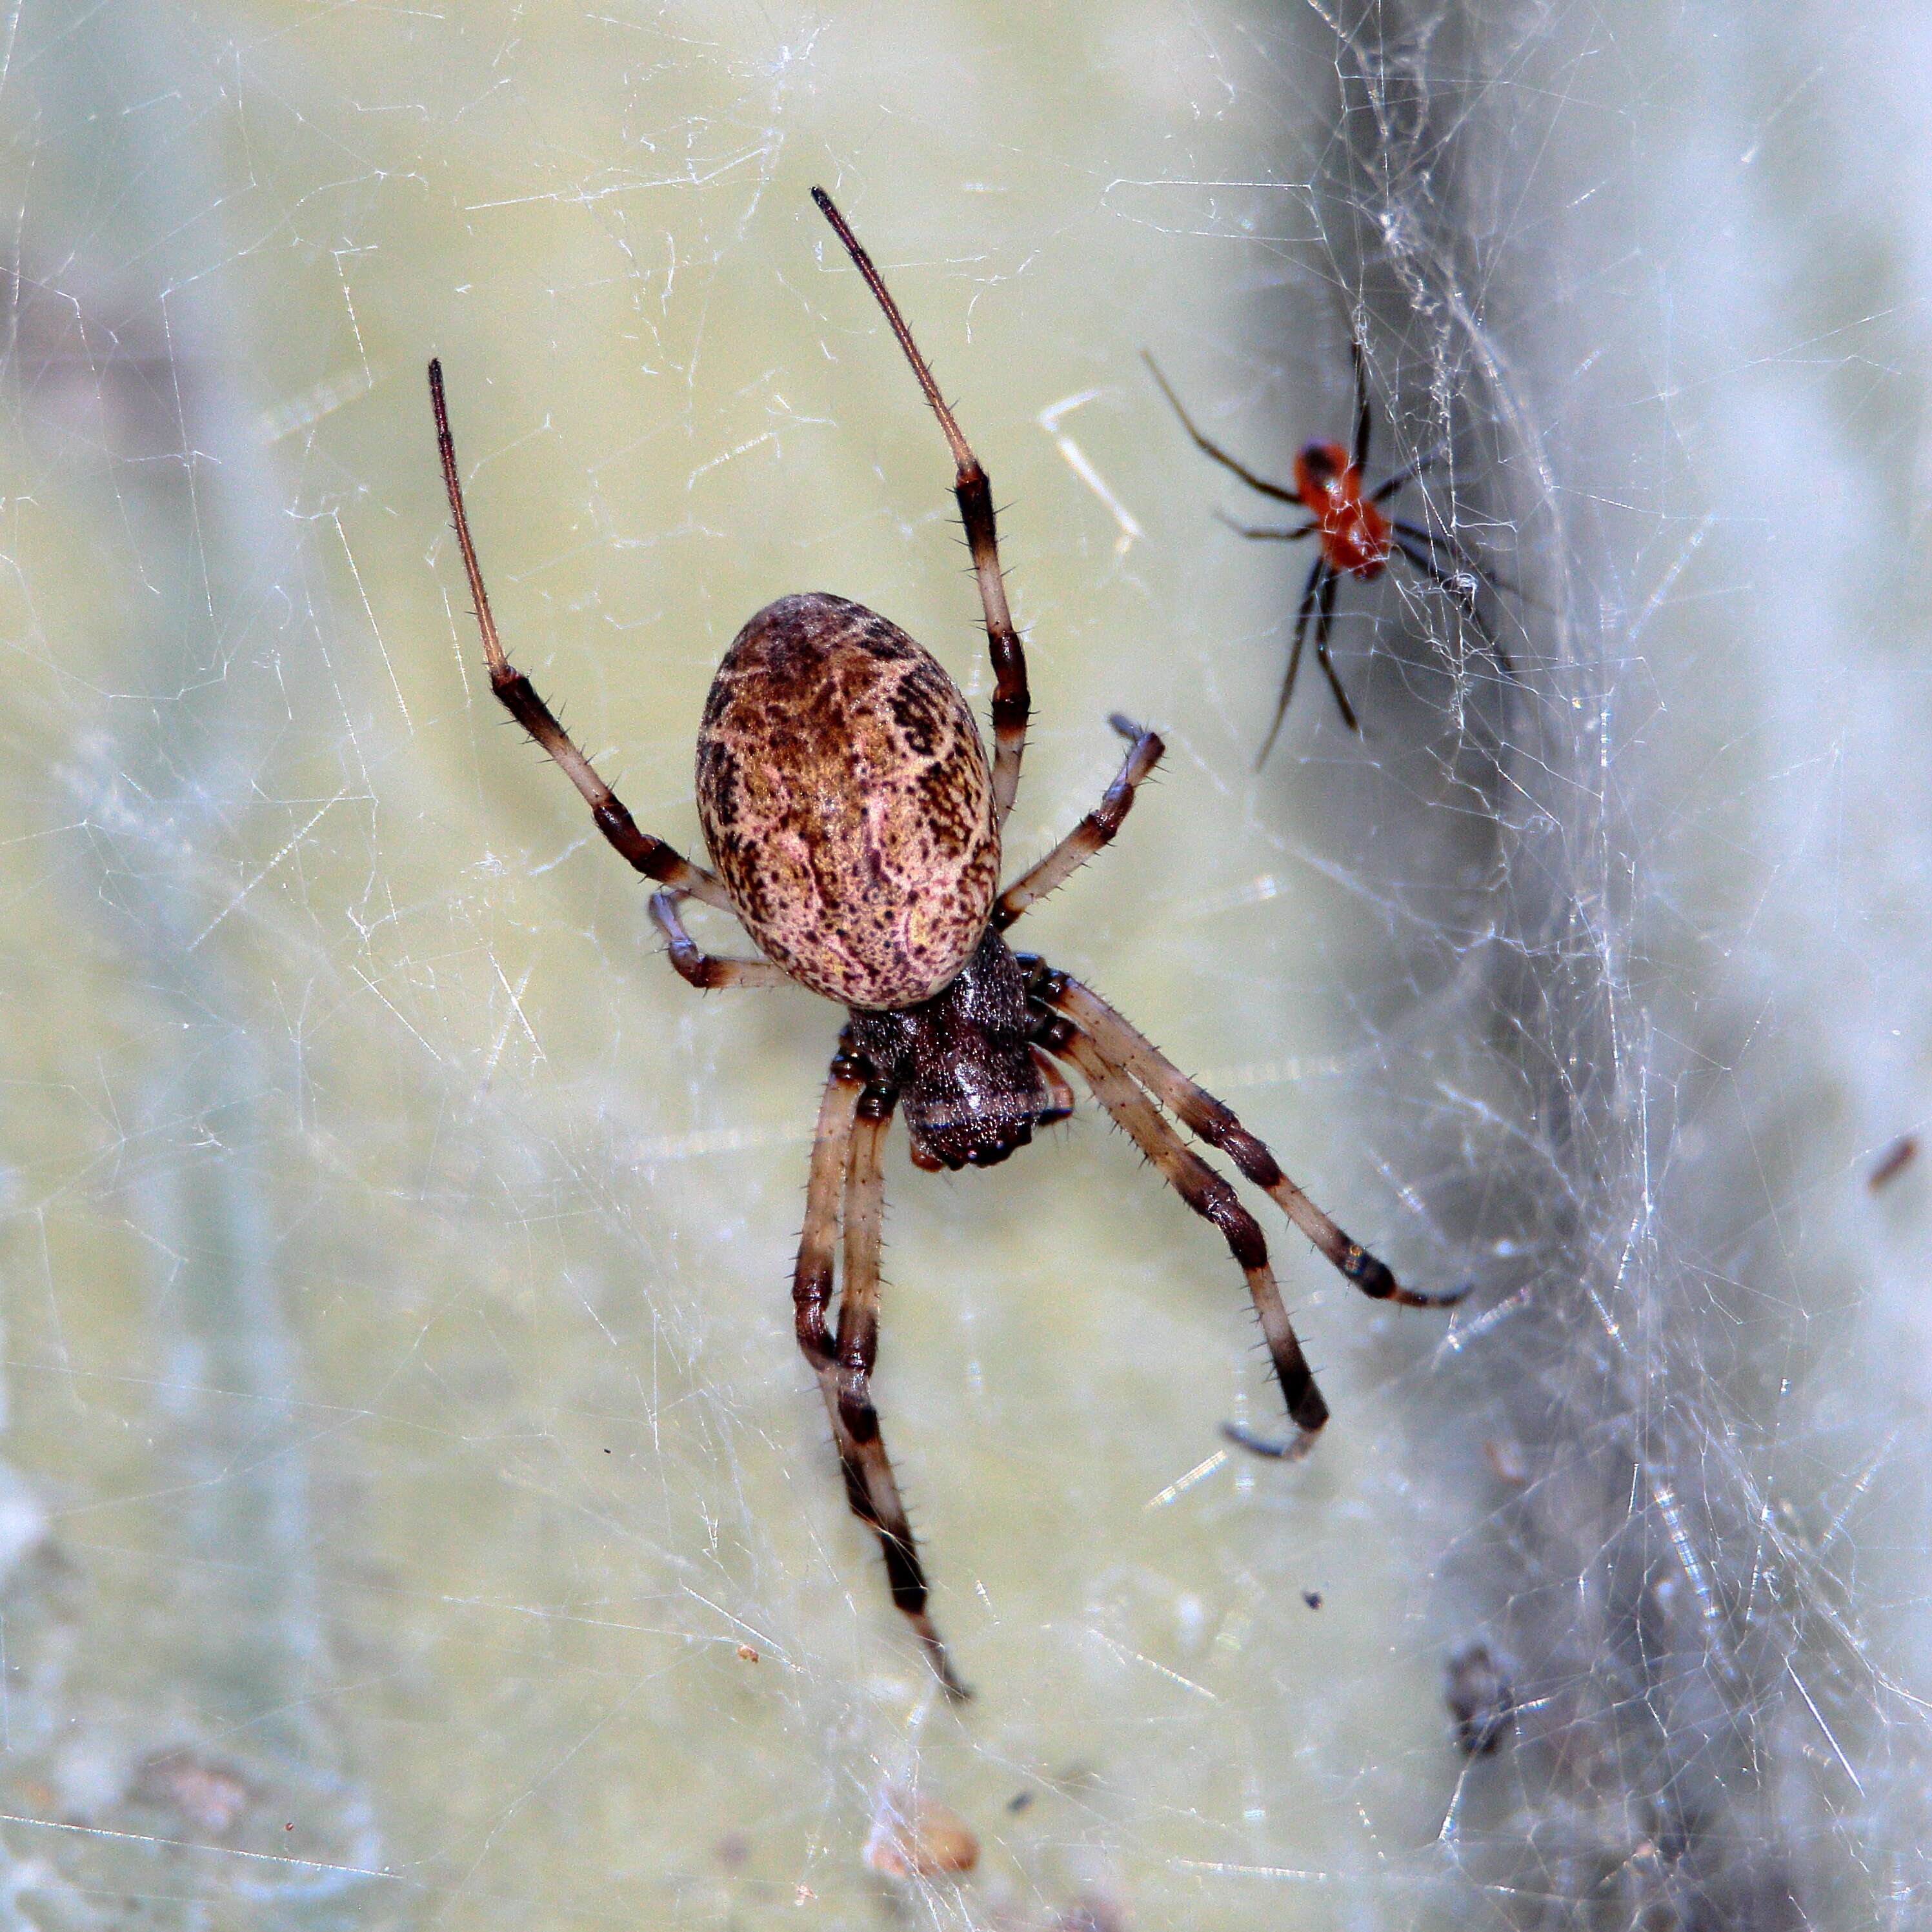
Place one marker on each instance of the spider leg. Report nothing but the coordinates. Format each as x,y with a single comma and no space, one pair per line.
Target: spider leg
1216,1124
651,857
1011,701
1429,542
1059,1091
853,1117
705,970
1459,594
1324,617
1278,491
1214,1200
1294,536
1409,472
1318,574
858,1349
1096,830
1359,357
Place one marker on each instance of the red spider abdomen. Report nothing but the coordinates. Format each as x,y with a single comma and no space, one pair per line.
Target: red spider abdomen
1355,538
1353,533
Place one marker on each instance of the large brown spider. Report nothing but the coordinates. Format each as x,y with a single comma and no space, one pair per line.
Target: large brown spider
846,800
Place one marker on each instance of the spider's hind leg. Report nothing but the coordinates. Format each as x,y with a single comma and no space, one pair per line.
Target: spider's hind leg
1320,589
1324,619
1415,544
1096,830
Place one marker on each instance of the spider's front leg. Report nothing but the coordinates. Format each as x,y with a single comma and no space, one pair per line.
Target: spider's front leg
650,856
973,491
1093,831
852,1118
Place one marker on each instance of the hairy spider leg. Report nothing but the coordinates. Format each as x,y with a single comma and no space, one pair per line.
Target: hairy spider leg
853,1117
1211,1197
1219,1125
651,857
1110,1054
1093,831
1011,701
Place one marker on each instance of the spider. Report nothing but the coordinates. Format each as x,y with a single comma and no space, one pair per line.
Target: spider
1353,536
848,805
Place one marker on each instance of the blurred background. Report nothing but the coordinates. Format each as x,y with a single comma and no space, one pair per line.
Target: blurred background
414,1509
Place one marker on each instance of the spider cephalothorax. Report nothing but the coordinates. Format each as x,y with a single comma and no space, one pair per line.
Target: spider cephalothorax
971,1083
855,823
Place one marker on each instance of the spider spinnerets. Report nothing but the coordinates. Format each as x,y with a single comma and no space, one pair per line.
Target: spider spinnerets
854,821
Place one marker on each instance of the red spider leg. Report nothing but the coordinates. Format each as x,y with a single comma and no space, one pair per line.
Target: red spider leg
1294,536
1407,473
1483,573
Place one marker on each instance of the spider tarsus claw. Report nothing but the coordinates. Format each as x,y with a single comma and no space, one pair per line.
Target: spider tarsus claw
1126,726
1297,1446
934,1647
1432,1298
1376,1279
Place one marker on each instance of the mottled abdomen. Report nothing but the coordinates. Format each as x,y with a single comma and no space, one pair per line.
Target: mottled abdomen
845,797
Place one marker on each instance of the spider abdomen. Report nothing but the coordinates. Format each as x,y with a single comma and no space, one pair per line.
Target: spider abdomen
845,797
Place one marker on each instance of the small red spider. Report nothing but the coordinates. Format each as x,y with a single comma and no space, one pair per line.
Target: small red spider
1356,539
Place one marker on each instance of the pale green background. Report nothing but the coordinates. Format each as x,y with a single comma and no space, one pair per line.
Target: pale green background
405,1415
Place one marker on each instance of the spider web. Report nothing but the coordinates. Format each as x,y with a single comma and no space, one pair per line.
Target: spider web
414,1511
